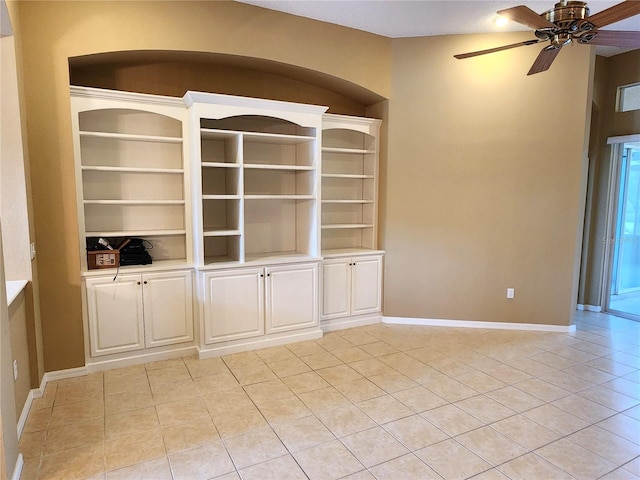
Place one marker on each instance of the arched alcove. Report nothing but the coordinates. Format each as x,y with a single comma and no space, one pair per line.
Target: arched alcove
172,73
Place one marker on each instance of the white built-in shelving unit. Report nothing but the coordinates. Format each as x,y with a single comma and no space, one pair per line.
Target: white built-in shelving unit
349,184
256,181
262,216
352,266
133,171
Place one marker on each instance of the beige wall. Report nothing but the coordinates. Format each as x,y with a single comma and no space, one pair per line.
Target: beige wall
611,73
51,32
485,181
20,350
173,73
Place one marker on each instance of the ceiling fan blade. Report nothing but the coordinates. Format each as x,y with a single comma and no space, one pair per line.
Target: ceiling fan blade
544,60
616,13
524,15
614,38
497,49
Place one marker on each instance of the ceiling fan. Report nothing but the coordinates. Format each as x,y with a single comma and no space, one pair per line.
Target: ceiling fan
567,22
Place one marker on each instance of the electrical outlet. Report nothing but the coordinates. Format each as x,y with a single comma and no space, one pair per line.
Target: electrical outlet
15,369
511,292
33,250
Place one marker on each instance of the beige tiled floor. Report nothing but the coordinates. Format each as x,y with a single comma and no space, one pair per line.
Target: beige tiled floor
377,402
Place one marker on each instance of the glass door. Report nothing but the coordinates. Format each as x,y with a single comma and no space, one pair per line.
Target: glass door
624,288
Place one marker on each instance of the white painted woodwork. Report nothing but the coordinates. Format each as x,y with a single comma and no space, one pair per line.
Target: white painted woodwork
115,314
137,311
291,297
233,304
256,177
132,170
168,307
251,193
249,302
352,286
336,288
366,285
349,183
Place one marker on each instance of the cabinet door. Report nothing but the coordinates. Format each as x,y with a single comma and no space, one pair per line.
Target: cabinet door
168,308
366,285
336,283
115,314
292,297
233,304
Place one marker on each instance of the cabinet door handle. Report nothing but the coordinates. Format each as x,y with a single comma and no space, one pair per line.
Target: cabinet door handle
145,282
268,274
138,283
261,275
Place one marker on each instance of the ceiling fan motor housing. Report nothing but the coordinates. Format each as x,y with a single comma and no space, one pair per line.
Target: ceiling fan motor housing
564,14
572,24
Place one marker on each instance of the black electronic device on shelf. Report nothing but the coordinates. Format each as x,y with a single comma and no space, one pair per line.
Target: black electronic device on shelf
133,251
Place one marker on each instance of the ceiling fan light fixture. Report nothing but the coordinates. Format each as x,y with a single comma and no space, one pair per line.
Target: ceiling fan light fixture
500,21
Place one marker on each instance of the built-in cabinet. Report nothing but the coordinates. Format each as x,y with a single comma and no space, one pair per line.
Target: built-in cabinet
351,286
137,311
271,207
251,302
352,265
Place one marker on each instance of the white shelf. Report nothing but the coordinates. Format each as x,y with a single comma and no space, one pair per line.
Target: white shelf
259,166
134,202
215,134
134,233
277,138
346,175
221,260
131,137
359,202
221,197
279,197
335,226
350,252
355,151
173,264
278,257
220,232
94,168
220,164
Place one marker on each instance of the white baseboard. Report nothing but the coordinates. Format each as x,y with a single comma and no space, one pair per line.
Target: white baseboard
334,324
17,471
478,324
34,393
38,392
62,374
237,346
102,365
589,308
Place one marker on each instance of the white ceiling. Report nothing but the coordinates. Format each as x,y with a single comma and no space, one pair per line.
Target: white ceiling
416,18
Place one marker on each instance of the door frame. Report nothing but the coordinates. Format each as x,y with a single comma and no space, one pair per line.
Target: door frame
613,195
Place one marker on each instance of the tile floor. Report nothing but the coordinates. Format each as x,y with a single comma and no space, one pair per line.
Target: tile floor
377,402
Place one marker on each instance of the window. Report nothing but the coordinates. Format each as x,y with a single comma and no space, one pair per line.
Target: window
628,98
